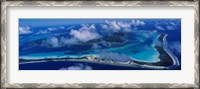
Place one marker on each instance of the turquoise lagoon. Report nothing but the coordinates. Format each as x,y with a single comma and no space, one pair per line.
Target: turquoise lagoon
146,52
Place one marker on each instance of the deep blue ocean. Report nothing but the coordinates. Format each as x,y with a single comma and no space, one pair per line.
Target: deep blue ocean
63,65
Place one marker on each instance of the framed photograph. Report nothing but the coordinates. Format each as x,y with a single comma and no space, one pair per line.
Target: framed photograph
100,44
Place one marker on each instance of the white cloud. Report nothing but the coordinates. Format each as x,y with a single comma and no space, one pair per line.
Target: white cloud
74,68
105,27
53,42
24,30
85,33
116,26
172,23
42,32
111,26
159,27
166,25
48,30
170,28
123,24
67,41
52,29
138,23
92,27
59,42
88,27
78,67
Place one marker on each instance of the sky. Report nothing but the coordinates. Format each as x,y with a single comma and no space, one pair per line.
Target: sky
62,21
49,22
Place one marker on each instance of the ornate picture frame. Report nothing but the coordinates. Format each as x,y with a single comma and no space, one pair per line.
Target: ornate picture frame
4,39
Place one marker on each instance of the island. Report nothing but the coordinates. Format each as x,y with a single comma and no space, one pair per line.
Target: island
167,59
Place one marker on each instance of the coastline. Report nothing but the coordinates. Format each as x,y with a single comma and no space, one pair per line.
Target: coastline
167,60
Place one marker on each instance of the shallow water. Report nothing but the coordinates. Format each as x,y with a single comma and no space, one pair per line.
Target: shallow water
143,52
150,55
